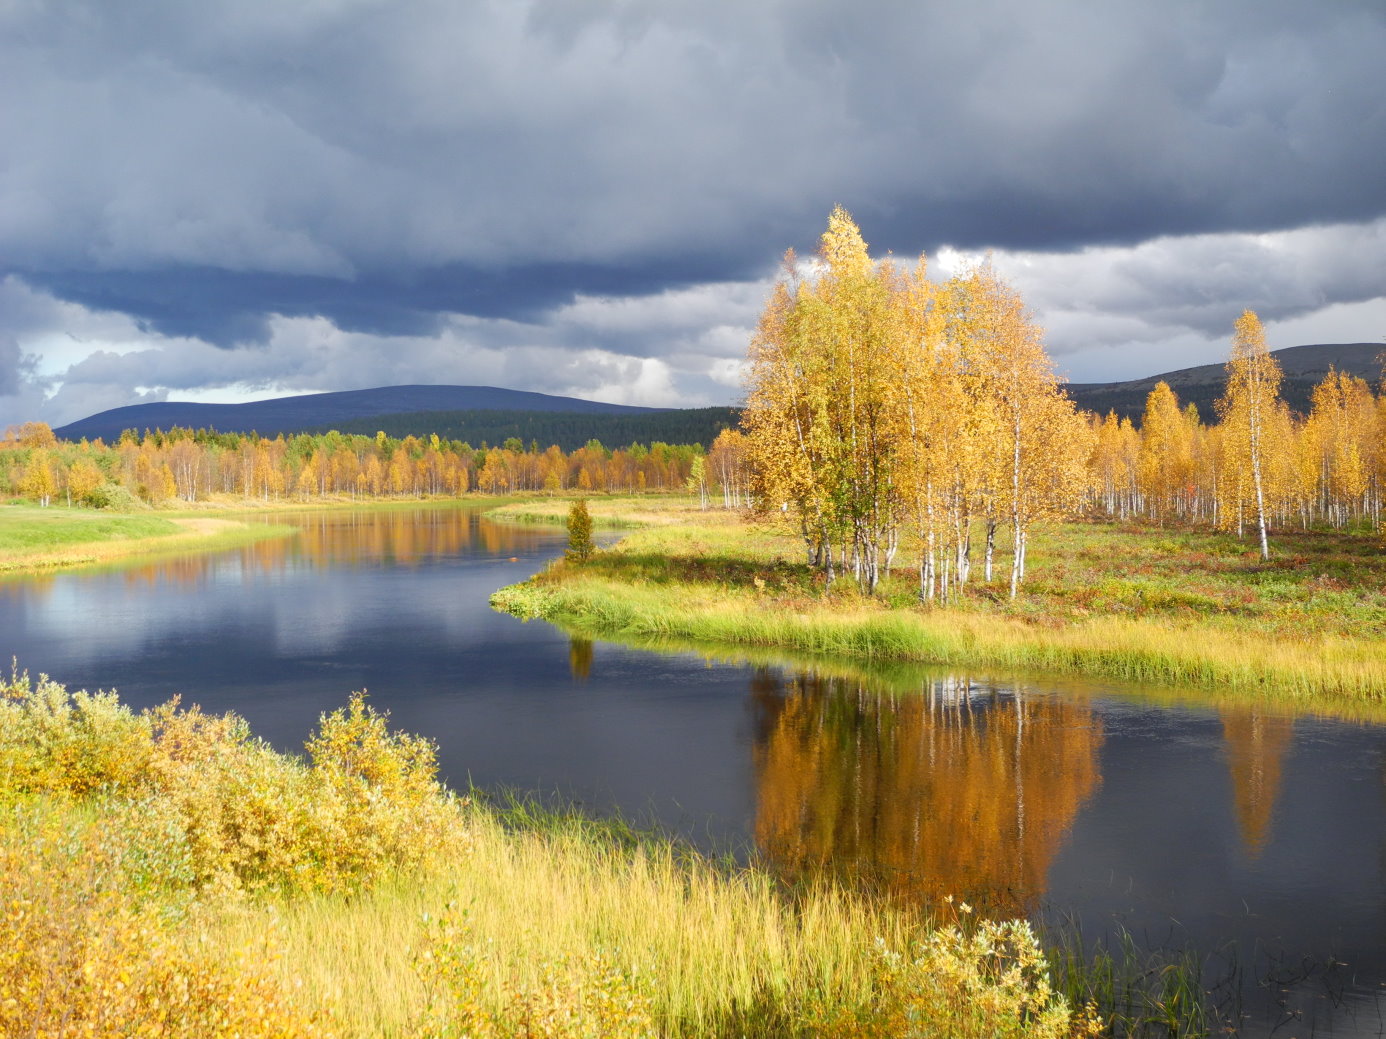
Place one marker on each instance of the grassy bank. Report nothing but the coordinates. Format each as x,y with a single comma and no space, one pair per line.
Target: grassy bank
648,510
1133,603
167,872
34,539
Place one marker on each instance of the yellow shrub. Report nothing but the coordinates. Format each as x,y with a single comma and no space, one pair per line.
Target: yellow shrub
249,817
53,741
987,980
368,803
394,811
81,953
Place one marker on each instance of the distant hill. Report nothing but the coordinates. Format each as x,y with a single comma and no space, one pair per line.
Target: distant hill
328,410
1304,367
477,413
569,430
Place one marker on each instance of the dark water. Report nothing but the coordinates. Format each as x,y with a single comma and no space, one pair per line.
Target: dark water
1254,836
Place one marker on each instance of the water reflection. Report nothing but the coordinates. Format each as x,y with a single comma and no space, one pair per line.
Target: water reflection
965,788
405,538
580,658
1256,744
962,787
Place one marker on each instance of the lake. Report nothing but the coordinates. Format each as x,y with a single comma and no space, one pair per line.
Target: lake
1254,836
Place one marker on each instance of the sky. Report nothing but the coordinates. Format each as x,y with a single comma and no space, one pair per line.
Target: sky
237,199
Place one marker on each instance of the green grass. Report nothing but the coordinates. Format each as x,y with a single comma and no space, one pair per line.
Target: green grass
29,529
1138,604
34,540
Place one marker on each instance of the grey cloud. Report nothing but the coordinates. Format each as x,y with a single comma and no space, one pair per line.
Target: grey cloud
203,166
310,354
10,359
80,399
1199,284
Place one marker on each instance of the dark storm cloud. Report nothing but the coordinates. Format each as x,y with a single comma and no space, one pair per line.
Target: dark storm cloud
202,166
10,359
230,307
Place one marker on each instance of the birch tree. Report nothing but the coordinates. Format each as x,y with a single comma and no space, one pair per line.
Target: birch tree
1253,390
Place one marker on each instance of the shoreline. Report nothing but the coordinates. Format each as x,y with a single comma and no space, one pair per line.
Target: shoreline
715,581
118,541
648,587
466,910
203,526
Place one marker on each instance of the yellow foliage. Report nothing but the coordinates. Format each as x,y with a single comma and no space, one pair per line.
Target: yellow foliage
366,805
987,980
51,741
82,954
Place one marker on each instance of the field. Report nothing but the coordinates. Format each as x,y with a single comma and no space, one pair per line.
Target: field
1135,602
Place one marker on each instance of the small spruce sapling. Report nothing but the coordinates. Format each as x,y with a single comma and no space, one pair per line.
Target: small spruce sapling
579,532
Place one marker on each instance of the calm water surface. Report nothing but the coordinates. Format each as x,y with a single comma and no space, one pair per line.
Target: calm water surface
1257,837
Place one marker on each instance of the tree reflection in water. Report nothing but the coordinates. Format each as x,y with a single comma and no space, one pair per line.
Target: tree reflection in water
1256,744
963,789
580,658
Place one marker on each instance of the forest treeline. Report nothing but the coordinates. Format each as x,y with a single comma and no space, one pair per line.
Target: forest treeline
887,409
569,430
156,467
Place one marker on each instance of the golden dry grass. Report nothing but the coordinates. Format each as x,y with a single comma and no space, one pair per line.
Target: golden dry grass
166,867
1138,606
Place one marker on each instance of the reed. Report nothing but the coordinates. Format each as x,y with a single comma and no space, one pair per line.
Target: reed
728,951
1131,650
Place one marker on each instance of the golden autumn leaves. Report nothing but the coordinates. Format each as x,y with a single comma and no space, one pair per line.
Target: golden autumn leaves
889,411
886,408
1259,466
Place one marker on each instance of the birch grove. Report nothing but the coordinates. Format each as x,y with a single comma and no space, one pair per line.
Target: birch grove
1260,467
883,407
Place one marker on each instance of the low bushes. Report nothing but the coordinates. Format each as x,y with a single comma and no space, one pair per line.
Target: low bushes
165,873
364,804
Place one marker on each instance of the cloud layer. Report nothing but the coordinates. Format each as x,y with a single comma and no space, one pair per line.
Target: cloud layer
592,194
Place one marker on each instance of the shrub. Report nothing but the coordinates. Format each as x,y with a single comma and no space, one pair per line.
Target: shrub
51,741
579,532
986,980
113,496
367,804
84,954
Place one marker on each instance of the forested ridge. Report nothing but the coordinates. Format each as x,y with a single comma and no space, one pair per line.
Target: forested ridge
1304,367
569,430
